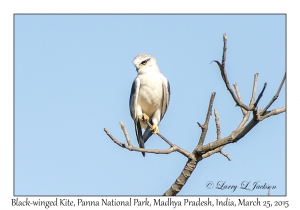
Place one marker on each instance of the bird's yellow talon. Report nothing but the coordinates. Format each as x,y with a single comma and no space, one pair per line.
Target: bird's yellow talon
144,117
155,128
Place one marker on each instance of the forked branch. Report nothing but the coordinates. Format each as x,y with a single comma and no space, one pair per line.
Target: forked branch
275,96
205,126
173,147
209,149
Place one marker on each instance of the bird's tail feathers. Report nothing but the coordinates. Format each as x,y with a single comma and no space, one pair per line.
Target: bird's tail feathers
138,132
147,134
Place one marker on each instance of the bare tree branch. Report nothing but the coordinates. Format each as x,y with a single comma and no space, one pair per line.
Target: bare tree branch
219,149
253,90
260,95
211,152
161,136
209,149
191,163
225,155
233,137
178,149
182,179
224,50
218,137
217,124
205,126
256,113
239,97
246,117
126,134
173,148
271,113
201,126
276,95
225,79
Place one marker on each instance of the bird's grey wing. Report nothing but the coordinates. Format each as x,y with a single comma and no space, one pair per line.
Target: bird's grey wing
164,106
166,97
133,111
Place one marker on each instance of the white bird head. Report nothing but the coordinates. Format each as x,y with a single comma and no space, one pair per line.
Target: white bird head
144,63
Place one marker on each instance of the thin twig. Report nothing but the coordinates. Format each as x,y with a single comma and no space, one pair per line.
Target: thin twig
260,95
271,113
219,135
161,136
201,126
225,155
239,97
114,139
126,134
216,150
251,104
173,148
244,120
224,50
276,95
204,130
217,124
211,152
225,79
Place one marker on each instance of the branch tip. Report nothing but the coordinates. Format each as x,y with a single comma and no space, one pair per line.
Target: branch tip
275,96
217,124
225,155
260,95
201,126
205,126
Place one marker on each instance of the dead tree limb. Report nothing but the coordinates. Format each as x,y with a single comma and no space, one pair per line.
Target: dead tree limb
173,148
275,96
239,97
209,149
205,125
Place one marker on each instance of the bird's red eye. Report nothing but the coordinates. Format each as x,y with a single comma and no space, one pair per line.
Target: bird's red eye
144,62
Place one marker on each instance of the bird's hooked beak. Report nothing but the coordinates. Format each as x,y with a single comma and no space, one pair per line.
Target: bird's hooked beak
138,67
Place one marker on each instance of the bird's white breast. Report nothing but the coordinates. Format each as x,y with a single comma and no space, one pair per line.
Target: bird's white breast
150,93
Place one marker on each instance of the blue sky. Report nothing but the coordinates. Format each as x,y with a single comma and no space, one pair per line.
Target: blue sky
73,75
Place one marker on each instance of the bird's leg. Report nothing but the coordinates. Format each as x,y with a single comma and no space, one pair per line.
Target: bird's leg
155,128
144,117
